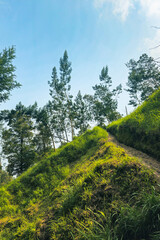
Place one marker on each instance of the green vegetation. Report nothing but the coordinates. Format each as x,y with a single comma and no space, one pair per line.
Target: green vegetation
7,76
4,177
141,129
30,132
143,79
87,189
104,102
18,139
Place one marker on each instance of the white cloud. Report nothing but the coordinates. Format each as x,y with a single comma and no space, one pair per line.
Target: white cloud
120,7
151,7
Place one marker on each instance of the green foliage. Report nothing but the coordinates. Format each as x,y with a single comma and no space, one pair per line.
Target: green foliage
105,100
67,116
82,113
79,192
61,105
46,174
141,129
142,220
80,145
43,136
143,79
17,139
99,229
6,209
4,177
7,76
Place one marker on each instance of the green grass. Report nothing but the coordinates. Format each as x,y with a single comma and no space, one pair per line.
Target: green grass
88,189
141,129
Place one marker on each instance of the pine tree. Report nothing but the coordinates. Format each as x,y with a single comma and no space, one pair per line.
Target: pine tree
43,136
143,79
62,104
57,108
82,114
7,74
105,100
17,139
65,77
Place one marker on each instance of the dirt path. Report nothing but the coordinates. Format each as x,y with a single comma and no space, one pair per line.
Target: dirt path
150,162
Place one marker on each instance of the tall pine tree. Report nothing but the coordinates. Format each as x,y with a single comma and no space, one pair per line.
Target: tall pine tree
105,100
62,104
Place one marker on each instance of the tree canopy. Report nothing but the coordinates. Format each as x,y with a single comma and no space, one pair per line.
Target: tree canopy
18,144
7,74
143,79
105,99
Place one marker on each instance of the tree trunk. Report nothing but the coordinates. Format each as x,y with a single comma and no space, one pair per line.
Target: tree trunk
54,147
72,129
21,155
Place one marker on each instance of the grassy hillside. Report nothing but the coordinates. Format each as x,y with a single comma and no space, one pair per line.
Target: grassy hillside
88,189
141,129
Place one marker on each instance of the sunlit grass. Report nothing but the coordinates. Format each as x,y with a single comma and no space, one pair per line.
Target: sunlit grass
88,195
141,129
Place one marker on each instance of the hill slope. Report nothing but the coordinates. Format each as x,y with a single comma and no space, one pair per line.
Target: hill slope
141,129
144,158
88,189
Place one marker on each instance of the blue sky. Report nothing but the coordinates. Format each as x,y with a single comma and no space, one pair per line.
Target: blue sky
95,33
